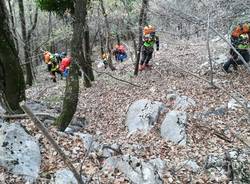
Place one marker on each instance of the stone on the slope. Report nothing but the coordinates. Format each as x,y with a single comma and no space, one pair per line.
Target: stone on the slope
19,152
138,171
192,165
65,176
221,59
76,124
36,106
218,111
143,114
173,127
89,142
183,102
236,161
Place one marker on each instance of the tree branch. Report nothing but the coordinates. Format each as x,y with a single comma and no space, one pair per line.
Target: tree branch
40,126
34,25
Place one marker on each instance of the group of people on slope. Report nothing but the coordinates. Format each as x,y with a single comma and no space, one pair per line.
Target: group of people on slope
147,49
57,63
240,39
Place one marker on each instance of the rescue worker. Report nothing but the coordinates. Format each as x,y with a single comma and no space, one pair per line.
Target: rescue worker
120,52
241,41
54,68
64,66
105,59
149,39
47,56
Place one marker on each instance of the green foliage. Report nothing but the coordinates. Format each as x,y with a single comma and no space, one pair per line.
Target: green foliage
57,6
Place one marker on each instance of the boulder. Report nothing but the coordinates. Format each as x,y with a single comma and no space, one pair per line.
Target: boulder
138,171
76,124
19,152
218,111
234,163
143,114
183,102
64,176
173,127
89,142
192,165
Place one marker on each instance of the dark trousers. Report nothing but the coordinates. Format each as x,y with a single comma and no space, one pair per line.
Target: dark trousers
53,73
234,60
49,67
147,53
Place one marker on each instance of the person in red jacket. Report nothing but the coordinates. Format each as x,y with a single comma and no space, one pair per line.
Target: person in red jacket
64,65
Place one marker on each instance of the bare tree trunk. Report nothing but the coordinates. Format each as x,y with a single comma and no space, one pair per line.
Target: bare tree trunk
70,96
13,25
118,39
12,86
209,53
89,73
101,43
94,41
26,38
107,36
141,21
51,42
72,82
130,32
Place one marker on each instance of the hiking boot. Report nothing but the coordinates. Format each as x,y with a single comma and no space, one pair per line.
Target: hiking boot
141,67
235,68
226,71
148,66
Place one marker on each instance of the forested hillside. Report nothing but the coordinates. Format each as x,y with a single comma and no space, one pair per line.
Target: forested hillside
124,91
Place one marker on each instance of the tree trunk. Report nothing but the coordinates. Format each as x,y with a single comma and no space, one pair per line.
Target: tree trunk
89,73
79,28
101,43
118,39
13,27
70,96
12,86
72,82
26,39
130,32
107,36
94,41
141,21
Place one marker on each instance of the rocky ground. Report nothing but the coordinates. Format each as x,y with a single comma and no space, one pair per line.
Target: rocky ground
99,140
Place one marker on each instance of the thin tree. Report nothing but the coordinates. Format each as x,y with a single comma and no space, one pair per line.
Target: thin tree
12,86
107,35
26,36
13,27
79,13
141,24
87,49
129,23
72,87
209,53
